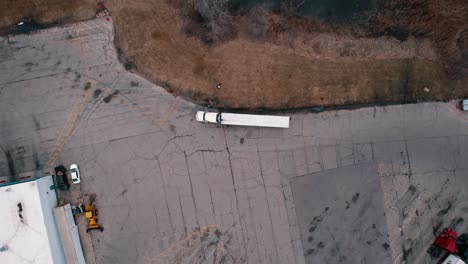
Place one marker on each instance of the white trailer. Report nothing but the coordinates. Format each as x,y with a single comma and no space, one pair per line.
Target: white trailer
243,119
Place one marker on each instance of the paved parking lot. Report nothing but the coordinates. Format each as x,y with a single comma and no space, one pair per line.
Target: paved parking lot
353,186
346,216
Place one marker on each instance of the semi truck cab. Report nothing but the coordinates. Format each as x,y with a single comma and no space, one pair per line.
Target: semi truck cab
208,117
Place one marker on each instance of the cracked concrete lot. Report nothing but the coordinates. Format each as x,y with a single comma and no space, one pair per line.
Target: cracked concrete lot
373,184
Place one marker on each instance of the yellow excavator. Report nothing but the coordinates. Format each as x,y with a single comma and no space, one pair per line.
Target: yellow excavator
90,213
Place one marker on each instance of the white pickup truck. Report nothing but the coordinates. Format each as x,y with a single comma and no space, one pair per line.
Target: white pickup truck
452,259
243,119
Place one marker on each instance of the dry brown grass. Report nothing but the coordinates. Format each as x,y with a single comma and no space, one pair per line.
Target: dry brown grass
443,21
283,69
258,74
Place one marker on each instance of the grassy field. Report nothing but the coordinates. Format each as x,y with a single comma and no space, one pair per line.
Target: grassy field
261,74
290,70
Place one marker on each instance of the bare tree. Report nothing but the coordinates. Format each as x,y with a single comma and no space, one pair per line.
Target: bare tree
258,20
291,7
217,16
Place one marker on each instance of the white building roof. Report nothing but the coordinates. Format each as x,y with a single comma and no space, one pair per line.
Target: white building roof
27,229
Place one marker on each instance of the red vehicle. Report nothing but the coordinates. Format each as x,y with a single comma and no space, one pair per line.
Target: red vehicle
446,241
449,242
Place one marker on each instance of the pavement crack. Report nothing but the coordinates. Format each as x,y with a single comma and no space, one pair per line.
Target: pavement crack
165,194
136,155
191,189
182,136
183,217
204,150
268,206
212,203
235,195
163,148
409,162
34,78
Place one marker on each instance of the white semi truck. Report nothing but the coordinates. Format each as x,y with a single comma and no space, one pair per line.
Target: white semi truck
243,119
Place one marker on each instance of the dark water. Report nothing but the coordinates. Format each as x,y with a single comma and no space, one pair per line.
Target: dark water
328,10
